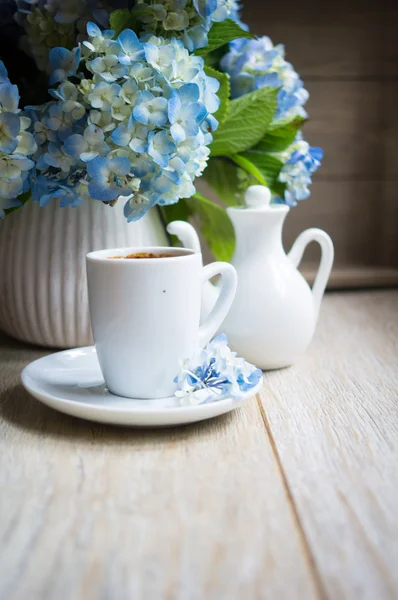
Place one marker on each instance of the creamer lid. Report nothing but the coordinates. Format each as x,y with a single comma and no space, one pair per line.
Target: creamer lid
258,196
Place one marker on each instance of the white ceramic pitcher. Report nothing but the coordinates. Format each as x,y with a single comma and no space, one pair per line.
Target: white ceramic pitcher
274,314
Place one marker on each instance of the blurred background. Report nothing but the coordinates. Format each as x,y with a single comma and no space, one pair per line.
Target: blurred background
346,51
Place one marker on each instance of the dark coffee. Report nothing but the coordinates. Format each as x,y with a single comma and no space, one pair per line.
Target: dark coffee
144,255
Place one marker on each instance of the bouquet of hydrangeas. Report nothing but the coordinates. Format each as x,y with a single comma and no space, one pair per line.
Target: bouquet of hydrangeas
172,91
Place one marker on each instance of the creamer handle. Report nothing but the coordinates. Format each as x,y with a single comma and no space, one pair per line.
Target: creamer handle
325,266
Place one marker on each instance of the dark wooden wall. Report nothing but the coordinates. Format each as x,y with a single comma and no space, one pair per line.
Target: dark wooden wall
347,54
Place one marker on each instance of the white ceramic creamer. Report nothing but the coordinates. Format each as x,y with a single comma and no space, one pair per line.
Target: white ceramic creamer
274,314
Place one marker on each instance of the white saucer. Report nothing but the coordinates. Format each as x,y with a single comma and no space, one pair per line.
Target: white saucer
71,382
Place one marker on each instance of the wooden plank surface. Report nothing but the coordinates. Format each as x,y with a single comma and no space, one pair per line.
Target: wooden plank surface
344,39
360,216
346,51
94,512
293,496
354,123
334,418
355,277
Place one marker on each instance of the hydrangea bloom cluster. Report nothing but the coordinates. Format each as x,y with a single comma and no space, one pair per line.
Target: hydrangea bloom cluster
253,64
188,20
54,23
215,373
301,161
139,127
16,144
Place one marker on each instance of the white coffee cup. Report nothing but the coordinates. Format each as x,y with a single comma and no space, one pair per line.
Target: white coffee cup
145,315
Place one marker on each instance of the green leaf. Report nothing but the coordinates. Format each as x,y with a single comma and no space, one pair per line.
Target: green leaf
121,19
279,189
222,175
247,121
216,226
278,123
23,198
280,136
268,165
249,167
223,92
222,33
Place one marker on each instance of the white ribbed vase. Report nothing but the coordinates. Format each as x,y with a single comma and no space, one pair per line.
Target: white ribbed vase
43,290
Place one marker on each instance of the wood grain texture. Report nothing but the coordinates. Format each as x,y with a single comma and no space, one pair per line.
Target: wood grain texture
95,513
334,418
355,124
344,39
347,54
355,277
360,216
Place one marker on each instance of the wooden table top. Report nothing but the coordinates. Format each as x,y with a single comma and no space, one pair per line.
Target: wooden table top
295,495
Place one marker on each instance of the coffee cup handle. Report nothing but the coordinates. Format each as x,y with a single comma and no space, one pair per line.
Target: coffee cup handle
224,301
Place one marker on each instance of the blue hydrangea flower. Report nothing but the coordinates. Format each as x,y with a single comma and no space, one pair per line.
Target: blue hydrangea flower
215,373
9,97
150,110
3,73
139,203
57,23
109,177
160,147
253,64
135,122
102,95
185,112
301,161
63,63
132,49
132,134
187,20
9,129
16,145
87,146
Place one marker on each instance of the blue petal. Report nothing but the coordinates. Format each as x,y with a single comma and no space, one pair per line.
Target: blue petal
3,72
56,76
189,93
74,145
160,159
101,191
120,165
9,96
178,133
151,53
141,114
93,30
174,107
316,153
205,7
130,43
57,56
195,38
197,112
138,145
210,123
10,124
121,135
133,211
98,168
158,118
